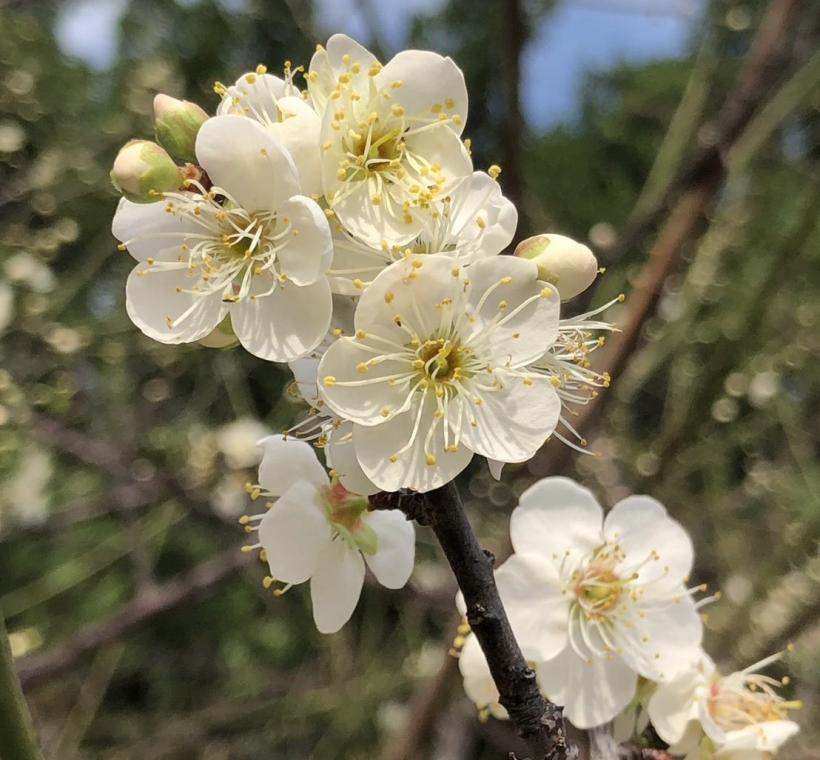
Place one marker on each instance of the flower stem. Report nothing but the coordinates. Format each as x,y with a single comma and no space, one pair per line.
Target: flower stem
539,722
17,740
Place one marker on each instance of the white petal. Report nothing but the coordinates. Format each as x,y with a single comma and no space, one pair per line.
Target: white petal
341,456
641,525
152,300
523,338
328,63
763,737
513,422
661,639
353,260
675,704
410,292
304,377
537,610
300,133
392,563
375,444
478,682
496,468
442,146
481,217
287,461
427,79
309,249
591,693
294,532
244,158
254,96
360,403
551,502
336,585
150,230
369,222
285,325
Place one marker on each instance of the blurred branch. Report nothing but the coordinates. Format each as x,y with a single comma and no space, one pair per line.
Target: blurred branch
88,702
424,708
538,722
17,739
695,188
36,668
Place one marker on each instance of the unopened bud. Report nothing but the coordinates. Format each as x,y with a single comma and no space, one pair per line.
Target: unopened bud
142,170
177,123
570,266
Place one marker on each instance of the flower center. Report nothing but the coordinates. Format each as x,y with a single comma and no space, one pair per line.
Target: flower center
597,588
345,512
441,360
745,699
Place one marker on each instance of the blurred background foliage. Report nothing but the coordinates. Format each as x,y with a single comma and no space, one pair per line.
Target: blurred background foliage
123,460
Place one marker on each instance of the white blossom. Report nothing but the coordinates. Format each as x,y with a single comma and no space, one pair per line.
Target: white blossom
278,105
316,530
473,221
597,602
439,369
390,136
735,717
250,246
478,681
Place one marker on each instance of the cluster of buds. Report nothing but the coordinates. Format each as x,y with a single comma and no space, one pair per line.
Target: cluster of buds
143,170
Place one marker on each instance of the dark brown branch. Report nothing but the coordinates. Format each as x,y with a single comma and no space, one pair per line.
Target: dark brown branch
39,667
538,722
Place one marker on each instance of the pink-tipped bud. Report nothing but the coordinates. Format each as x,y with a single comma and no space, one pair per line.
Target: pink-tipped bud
561,261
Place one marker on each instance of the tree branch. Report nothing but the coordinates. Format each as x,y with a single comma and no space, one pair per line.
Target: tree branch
39,667
539,723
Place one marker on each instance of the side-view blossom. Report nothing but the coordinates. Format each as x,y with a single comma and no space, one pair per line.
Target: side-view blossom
316,530
438,369
478,681
251,246
740,716
600,601
278,105
473,221
567,264
390,137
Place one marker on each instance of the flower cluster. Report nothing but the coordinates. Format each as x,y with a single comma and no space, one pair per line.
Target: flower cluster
342,228
602,611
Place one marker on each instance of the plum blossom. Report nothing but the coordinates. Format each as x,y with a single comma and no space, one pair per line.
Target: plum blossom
278,105
478,681
600,601
438,369
390,136
251,247
316,530
735,717
472,222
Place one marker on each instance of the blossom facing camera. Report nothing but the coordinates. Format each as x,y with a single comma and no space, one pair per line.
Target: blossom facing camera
252,247
735,717
176,124
390,136
600,601
142,171
316,530
438,369
567,264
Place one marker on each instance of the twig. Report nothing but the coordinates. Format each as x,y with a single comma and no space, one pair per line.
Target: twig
150,603
539,723
17,739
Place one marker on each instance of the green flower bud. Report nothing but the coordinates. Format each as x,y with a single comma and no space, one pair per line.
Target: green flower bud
570,266
142,170
177,123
